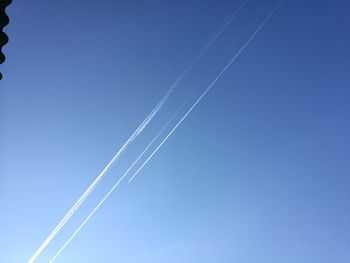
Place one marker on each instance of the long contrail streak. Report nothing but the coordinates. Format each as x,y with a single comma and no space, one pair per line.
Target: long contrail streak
208,88
115,185
141,127
166,138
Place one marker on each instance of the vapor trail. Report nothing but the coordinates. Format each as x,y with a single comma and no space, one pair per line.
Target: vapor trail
165,139
222,28
141,127
88,191
208,88
130,140
115,185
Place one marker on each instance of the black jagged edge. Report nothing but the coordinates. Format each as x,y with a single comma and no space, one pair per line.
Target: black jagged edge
4,20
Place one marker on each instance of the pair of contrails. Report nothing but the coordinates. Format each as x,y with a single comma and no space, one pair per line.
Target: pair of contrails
141,127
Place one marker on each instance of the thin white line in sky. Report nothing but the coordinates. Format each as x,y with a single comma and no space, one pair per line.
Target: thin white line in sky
142,126
208,88
164,140
219,31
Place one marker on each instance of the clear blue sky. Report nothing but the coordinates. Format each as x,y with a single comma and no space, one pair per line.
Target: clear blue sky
259,172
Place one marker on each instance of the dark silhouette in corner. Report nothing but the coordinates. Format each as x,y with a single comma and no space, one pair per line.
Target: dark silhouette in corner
4,20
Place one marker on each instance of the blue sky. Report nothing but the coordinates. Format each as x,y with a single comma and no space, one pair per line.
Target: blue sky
258,172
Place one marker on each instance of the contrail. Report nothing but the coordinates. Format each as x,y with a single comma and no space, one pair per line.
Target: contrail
208,88
222,28
166,138
115,185
88,191
140,128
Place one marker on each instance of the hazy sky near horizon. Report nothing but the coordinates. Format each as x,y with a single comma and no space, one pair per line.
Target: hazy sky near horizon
258,172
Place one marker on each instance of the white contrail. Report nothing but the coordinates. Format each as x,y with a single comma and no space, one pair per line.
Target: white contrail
87,192
115,185
208,88
166,138
222,28
141,127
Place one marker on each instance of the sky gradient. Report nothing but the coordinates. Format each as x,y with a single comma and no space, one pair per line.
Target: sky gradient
258,172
